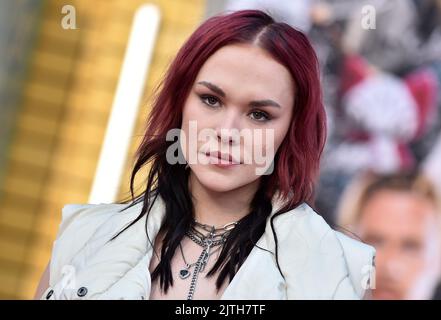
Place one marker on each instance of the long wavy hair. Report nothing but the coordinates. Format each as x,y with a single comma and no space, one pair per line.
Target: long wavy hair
296,162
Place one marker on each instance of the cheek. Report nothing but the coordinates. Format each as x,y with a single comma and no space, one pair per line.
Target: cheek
197,114
192,114
194,108
274,137
281,129
190,111
189,116
279,136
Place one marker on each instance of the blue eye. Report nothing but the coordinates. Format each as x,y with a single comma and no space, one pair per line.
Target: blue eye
209,100
259,116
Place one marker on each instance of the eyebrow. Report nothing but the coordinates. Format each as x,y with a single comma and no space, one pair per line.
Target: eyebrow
256,103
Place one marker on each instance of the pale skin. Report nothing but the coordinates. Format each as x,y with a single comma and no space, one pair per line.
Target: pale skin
245,73
403,228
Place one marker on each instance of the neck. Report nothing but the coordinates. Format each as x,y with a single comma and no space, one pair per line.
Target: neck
219,208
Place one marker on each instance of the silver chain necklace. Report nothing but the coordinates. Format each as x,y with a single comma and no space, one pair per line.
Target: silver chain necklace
213,239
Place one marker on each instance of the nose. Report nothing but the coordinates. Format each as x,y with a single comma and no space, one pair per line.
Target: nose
390,265
225,139
228,131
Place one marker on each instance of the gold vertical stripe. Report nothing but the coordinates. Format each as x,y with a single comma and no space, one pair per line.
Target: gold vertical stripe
63,114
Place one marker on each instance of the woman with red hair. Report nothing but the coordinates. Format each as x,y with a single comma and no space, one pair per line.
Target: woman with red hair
233,142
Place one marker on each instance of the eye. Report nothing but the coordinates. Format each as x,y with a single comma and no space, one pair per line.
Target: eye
375,241
411,246
259,116
209,100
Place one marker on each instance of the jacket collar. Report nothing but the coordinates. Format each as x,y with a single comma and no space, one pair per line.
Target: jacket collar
310,256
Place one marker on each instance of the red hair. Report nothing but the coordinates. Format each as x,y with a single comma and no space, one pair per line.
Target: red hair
297,160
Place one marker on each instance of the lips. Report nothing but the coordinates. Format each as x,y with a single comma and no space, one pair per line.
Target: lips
222,156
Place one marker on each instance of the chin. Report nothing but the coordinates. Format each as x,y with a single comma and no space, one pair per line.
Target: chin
218,182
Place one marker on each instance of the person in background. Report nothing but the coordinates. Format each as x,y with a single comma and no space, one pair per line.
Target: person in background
431,165
400,215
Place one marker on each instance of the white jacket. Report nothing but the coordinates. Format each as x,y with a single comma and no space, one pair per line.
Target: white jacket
317,262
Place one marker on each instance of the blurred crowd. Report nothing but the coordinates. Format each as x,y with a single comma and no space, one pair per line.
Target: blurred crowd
381,169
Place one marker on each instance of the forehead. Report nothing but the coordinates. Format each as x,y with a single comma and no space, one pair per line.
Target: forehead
398,212
248,70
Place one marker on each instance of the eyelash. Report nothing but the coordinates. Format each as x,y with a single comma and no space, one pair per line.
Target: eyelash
204,98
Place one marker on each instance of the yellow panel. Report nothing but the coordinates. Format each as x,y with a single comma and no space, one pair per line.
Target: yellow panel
65,106
9,281
12,251
46,125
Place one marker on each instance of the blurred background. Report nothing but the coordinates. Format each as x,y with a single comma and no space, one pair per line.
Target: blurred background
76,79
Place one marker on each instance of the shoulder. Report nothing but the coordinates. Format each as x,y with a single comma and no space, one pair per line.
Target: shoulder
81,221
79,224
80,212
320,251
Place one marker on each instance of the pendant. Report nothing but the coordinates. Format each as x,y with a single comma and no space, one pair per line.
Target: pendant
204,261
184,273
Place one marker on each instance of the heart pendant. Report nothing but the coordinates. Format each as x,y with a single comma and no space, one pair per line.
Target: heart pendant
184,273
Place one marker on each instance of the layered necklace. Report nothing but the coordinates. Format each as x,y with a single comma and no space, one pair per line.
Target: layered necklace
213,237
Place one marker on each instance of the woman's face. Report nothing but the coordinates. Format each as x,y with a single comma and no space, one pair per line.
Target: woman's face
236,116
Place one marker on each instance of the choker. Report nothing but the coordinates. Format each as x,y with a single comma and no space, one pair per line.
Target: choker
215,237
